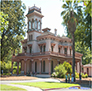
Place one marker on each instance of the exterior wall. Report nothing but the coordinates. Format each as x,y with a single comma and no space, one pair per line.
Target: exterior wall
90,70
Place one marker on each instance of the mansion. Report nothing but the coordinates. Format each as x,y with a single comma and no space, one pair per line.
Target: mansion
43,50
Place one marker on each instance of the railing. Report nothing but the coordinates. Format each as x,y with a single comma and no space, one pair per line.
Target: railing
48,53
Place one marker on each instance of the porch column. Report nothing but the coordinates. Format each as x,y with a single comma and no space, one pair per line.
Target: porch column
32,65
17,68
76,66
40,66
21,65
25,66
79,67
49,66
12,67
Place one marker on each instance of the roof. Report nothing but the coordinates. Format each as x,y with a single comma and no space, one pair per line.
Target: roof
88,65
46,29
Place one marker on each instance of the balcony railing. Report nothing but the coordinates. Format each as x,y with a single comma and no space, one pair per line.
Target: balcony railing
48,53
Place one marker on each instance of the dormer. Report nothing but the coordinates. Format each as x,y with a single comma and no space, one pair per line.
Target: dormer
46,30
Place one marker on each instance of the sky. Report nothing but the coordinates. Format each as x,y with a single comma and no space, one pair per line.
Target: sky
51,9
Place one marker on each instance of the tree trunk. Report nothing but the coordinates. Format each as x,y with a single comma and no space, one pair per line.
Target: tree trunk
73,47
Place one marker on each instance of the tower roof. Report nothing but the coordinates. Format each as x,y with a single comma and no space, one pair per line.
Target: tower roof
34,10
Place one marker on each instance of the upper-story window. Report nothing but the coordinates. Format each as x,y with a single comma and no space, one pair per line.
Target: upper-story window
52,48
29,24
44,48
40,48
30,49
39,25
30,37
59,50
70,51
35,24
65,50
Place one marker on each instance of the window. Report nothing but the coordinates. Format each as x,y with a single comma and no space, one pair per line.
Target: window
59,50
70,51
43,66
25,49
44,48
35,66
40,48
65,50
51,66
30,49
30,37
29,24
35,24
39,24
52,48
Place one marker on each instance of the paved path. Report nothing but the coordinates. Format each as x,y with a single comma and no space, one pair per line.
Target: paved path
28,88
36,80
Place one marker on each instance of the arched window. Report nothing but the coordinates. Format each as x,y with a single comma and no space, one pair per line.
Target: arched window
29,24
39,24
35,24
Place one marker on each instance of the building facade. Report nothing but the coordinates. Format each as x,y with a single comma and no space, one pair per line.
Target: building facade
87,69
43,50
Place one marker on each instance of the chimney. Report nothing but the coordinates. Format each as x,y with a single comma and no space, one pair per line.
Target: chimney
55,32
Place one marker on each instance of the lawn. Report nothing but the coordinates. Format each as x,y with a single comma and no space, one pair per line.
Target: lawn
10,88
45,85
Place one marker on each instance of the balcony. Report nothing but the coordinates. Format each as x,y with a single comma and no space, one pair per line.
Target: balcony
49,53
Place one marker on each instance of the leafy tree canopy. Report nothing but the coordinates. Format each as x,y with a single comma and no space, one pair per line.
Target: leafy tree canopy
13,34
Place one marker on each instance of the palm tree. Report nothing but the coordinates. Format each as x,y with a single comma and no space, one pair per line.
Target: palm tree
70,16
68,6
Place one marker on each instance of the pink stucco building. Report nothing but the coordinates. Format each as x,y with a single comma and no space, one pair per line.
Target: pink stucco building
43,50
88,69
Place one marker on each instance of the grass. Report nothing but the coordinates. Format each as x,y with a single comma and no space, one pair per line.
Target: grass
45,85
10,88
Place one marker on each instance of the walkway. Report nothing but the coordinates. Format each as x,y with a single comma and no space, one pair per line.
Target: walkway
28,88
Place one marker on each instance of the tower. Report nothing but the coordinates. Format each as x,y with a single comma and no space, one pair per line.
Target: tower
34,18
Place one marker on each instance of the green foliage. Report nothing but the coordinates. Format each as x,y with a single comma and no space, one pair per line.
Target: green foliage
76,75
84,75
3,22
13,34
60,71
68,67
85,51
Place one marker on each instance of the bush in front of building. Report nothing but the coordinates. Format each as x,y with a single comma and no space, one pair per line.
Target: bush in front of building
76,75
84,75
59,71
62,69
68,67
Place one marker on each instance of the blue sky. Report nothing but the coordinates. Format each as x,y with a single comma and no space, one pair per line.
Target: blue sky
51,9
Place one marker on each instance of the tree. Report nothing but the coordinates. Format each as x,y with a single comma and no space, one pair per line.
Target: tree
85,51
16,26
70,20
67,6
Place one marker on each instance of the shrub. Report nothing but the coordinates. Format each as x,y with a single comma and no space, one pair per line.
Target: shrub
60,71
84,75
68,67
76,75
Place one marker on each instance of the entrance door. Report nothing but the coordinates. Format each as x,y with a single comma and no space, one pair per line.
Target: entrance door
51,66
35,66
